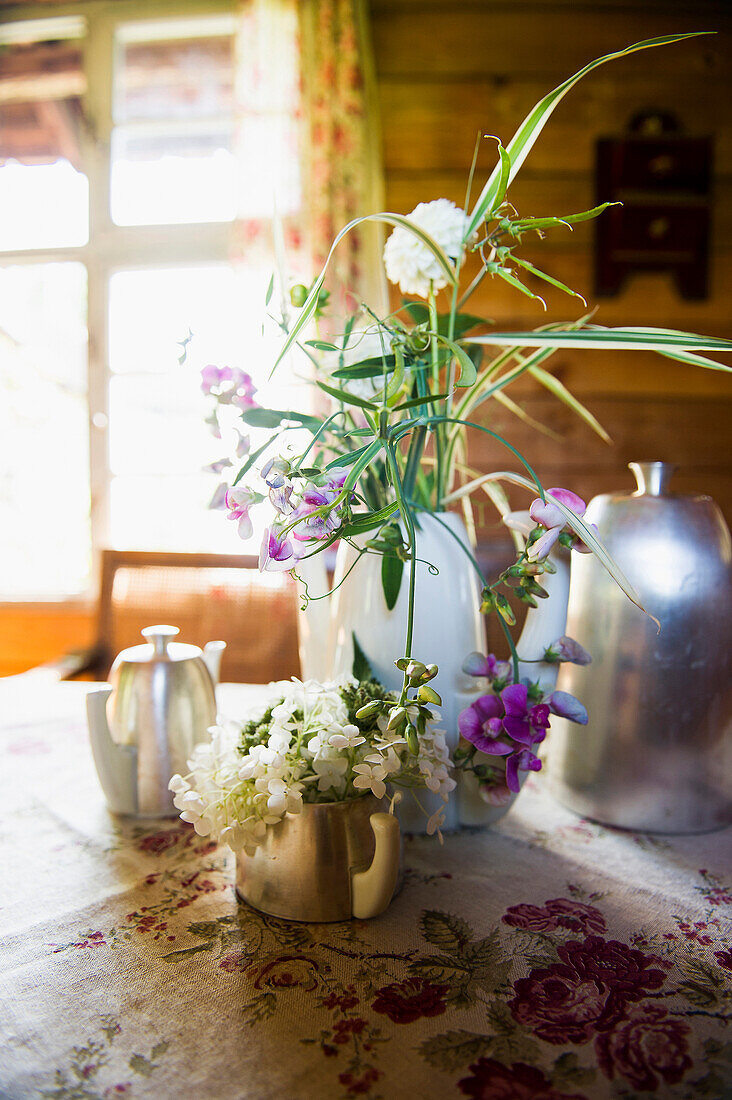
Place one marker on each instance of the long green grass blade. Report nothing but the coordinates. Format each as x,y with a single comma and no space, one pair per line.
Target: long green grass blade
560,390
523,140
629,339
311,301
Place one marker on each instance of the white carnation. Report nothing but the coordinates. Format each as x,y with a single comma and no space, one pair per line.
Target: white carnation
409,262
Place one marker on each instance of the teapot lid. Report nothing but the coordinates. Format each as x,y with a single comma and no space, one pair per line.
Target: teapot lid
159,647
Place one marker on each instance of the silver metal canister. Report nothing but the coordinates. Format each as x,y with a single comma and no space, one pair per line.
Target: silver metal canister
656,755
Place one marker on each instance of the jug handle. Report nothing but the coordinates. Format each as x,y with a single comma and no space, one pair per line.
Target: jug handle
372,890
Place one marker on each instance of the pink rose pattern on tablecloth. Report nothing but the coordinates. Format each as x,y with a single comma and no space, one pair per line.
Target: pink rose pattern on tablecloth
569,1011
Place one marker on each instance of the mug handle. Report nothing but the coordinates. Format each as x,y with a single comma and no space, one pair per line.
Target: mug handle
372,890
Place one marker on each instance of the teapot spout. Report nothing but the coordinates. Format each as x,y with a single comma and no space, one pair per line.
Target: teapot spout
212,654
116,764
373,889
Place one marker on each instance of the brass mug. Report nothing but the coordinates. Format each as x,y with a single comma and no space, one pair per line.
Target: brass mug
330,862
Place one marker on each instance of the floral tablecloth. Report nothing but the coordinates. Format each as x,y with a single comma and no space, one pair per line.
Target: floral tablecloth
546,959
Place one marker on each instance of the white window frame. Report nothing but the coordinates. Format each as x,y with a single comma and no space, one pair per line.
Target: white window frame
111,247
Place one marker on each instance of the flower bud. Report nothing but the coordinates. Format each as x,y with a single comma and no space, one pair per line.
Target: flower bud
412,740
397,718
503,608
369,710
298,295
426,694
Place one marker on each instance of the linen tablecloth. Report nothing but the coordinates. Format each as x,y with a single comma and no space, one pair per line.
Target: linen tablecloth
546,958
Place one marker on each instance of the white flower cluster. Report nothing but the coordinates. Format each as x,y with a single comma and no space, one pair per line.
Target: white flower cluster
409,262
312,753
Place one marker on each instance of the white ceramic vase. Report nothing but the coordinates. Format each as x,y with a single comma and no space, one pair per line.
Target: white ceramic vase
447,627
543,625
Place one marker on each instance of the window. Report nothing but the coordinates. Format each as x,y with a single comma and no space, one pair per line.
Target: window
125,162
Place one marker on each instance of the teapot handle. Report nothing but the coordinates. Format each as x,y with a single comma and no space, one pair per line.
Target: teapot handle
373,889
116,764
212,654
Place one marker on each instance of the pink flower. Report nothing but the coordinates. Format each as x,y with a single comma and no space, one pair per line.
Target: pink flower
547,515
239,500
276,554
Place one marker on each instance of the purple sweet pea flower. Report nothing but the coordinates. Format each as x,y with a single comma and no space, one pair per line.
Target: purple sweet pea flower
480,723
527,725
566,649
565,705
478,665
522,761
276,554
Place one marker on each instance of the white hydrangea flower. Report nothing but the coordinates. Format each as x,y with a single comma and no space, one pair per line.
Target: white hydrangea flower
409,262
348,737
370,777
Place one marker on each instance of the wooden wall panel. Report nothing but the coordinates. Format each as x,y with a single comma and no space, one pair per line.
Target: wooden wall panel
450,70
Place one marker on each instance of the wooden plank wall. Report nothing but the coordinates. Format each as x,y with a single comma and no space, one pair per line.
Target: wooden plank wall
448,69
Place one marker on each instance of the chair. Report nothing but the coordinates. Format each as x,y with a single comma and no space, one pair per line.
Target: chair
208,596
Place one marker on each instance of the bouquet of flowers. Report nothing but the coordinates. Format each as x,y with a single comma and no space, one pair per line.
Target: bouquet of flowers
406,389
313,743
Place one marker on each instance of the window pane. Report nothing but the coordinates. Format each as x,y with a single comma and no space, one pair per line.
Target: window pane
172,149
43,191
159,441
176,77
170,177
44,480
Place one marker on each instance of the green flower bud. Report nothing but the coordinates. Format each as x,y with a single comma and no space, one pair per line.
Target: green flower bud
412,739
426,694
370,709
503,608
298,295
397,718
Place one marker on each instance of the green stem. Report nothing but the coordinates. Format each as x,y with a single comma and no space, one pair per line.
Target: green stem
409,521
439,432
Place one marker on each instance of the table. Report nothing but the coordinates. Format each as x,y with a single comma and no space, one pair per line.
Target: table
546,958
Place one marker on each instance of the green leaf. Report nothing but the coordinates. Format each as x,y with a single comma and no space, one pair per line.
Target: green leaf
414,401
549,279
392,569
360,465
563,219
450,933
505,174
372,367
511,279
560,390
621,339
361,524
270,288
400,220
361,669
455,1049
347,459
347,398
468,373
525,137
321,345
272,418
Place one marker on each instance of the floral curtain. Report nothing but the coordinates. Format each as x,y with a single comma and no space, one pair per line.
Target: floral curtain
308,144
342,154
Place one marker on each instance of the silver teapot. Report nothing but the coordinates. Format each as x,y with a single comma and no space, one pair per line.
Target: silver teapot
144,723
656,755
